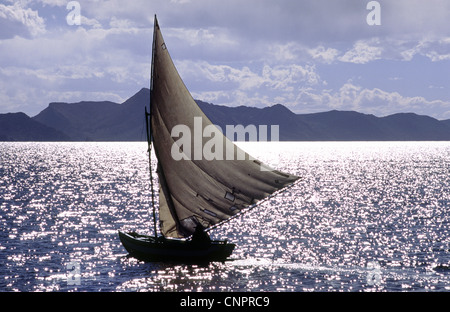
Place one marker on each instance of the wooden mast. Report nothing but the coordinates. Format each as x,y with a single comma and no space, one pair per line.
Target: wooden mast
149,131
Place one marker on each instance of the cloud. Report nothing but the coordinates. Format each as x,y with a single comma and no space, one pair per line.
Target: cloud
201,37
254,52
225,84
17,21
371,101
325,55
435,48
363,52
92,22
37,87
80,61
438,50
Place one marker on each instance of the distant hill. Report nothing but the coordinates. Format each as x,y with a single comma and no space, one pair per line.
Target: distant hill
291,127
446,122
108,121
409,126
20,127
98,121
333,125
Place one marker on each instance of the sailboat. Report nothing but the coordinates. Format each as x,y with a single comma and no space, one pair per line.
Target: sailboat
196,194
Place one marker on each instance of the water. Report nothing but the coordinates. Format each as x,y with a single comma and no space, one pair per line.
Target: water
367,216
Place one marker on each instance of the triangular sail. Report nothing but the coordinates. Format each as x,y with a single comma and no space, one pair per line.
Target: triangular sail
195,189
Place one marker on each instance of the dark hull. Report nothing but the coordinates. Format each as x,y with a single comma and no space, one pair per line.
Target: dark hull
148,248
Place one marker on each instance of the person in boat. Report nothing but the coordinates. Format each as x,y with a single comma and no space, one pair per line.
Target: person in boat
200,237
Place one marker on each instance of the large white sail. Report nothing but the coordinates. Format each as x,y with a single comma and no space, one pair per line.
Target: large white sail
198,189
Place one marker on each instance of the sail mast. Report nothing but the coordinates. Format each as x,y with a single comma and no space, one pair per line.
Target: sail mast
149,130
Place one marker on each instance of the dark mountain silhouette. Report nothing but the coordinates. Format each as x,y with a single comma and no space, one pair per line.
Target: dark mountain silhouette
344,125
446,122
409,126
20,127
98,121
108,121
333,125
291,128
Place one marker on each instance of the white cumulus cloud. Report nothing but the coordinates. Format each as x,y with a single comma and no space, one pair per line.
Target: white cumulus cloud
18,21
363,52
374,101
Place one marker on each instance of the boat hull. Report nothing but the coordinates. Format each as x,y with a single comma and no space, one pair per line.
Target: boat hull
149,249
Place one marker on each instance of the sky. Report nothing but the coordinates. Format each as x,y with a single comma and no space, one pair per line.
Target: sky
375,57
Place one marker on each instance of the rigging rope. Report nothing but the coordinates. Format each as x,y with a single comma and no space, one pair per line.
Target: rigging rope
149,141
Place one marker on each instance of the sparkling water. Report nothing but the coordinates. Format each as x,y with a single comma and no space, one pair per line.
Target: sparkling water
366,216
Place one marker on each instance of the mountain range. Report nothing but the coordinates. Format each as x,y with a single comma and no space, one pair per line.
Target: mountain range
108,121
